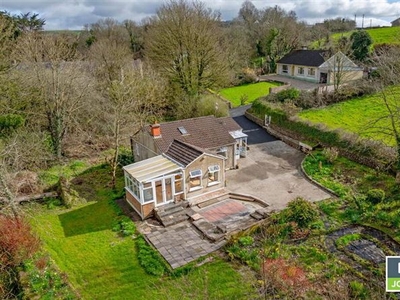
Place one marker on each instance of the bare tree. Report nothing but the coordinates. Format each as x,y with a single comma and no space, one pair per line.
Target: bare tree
387,121
7,35
132,93
56,81
340,69
183,43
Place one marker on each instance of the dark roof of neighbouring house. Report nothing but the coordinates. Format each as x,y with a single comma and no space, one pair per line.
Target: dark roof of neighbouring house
229,123
203,132
183,153
397,21
312,58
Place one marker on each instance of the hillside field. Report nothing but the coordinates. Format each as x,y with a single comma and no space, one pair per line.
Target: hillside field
384,35
252,91
357,116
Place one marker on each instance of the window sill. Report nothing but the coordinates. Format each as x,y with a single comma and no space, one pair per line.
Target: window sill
195,188
213,183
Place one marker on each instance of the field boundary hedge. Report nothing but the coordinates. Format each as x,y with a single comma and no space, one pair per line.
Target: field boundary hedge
369,153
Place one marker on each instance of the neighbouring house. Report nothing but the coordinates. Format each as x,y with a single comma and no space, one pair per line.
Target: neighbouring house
396,22
314,66
181,161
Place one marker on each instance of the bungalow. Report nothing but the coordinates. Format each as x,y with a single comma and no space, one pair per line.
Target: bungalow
220,136
311,65
181,161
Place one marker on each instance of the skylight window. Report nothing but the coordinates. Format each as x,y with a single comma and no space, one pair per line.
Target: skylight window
182,130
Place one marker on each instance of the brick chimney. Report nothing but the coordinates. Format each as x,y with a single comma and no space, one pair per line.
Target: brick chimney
155,130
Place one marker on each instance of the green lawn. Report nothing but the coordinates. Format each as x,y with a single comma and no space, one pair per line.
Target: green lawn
385,35
101,265
357,116
251,91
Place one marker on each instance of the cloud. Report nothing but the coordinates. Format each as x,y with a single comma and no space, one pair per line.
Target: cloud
74,14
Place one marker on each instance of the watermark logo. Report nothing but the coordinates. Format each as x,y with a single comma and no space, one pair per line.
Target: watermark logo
392,273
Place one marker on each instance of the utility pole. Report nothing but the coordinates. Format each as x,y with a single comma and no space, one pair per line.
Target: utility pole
362,25
370,23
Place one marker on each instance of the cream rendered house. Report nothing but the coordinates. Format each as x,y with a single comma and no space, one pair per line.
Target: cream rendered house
312,65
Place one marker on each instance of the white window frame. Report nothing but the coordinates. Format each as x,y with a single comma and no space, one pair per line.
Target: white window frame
151,187
300,71
177,180
223,152
311,72
192,175
285,69
212,170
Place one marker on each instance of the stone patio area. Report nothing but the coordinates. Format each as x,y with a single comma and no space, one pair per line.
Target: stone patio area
181,243
189,240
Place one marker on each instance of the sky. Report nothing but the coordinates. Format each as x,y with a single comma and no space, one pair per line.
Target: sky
74,14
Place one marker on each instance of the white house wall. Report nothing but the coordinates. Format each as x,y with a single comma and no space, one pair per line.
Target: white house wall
293,71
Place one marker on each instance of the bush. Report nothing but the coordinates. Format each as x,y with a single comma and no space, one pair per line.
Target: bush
331,154
125,157
40,280
302,212
375,196
358,290
289,94
125,226
246,240
247,76
10,122
149,258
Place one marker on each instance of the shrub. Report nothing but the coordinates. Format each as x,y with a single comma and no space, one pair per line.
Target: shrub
40,280
125,226
302,212
331,154
358,290
247,76
10,122
375,196
289,94
246,240
125,157
282,278
149,258
243,99
345,240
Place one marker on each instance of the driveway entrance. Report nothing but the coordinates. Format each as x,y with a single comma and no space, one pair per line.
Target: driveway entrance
271,170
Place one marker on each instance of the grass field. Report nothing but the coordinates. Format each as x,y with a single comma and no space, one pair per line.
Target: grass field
357,116
250,91
387,35
101,265
384,35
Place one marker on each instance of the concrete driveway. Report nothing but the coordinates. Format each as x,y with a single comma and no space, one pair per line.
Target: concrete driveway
271,170
299,84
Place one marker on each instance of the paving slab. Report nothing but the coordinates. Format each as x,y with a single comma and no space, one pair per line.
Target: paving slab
181,243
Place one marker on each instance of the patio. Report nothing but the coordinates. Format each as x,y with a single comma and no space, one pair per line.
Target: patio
187,241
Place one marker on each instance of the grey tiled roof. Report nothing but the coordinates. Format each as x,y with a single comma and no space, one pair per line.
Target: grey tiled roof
229,123
183,153
204,132
312,58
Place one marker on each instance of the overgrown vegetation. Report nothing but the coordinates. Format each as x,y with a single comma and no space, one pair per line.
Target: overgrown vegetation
303,242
